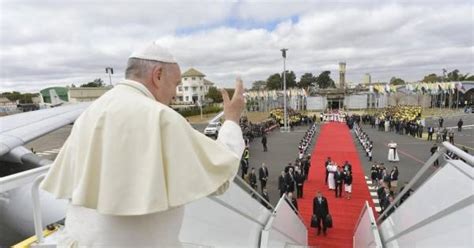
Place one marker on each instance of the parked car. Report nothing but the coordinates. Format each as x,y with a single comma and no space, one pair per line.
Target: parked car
212,129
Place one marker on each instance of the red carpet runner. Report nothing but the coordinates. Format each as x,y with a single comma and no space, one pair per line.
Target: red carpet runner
334,141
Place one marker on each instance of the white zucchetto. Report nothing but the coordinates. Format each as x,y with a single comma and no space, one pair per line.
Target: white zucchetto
154,52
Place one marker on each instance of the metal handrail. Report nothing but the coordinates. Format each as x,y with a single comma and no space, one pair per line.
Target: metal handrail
38,222
459,153
446,146
292,206
21,178
415,179
366,206
243,182
368,209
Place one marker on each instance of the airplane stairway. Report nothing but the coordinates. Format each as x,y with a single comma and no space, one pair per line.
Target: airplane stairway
439,213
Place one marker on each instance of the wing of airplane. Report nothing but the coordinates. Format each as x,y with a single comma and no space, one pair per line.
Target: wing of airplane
19,129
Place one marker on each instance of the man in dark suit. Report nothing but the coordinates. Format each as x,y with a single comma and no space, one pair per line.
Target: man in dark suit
263,176
321,211
264,142
306,166
282,183
430,133
299,178
339,178
294,203
290,180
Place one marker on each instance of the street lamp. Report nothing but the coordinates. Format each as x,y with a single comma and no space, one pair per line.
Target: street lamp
285,117
109,70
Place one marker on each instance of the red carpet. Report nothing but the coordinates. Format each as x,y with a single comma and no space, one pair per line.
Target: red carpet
334,141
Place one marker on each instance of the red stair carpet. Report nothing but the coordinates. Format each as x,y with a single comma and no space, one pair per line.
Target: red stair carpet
334,141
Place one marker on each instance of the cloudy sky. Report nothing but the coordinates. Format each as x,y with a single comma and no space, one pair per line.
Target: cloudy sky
46,43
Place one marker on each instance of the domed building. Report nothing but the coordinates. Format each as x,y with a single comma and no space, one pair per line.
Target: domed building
193,87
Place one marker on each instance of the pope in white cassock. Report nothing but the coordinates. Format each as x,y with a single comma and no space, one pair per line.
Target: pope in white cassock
122,167
392,152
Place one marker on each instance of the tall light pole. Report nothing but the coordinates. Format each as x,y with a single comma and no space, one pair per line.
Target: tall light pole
109,70
285,117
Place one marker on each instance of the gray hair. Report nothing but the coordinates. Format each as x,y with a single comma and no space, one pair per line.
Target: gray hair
139,68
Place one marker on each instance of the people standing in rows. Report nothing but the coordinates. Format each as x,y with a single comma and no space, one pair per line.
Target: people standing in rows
348,184
282,183
320,211
264,142
338,179
263,176
392,152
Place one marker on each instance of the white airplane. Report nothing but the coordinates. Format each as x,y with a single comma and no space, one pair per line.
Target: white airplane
26,210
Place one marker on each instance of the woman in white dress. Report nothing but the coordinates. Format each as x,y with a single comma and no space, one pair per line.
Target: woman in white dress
332,168
392,152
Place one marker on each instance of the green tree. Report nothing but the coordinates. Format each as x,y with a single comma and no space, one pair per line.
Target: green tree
432,78
259,85
17,96
396,81
96,83
274,82
214,94
290,79
306,81
324,80
12,96
453,76
466,77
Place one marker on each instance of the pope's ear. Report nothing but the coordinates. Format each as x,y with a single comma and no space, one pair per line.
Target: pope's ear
157,72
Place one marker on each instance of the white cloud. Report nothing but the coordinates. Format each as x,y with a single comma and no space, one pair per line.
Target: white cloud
58,43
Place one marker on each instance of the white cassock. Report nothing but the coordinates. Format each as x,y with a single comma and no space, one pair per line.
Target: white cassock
331,182
387,125
130,165
392,152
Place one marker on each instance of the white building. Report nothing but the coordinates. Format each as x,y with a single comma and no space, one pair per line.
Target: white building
193,86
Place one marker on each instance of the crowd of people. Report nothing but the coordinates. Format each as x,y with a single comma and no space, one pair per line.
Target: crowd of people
337,176
385,182
292,178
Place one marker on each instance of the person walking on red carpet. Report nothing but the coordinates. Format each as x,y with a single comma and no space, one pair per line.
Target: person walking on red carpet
348,184
328,161
338,178
320,211
332,168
